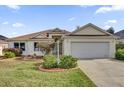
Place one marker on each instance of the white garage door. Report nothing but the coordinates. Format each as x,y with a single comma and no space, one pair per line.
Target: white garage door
90,50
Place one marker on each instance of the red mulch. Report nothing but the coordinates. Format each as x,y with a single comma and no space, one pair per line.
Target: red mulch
24,58
51,70
2,57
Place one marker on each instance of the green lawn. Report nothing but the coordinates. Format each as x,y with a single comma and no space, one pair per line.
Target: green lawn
17,73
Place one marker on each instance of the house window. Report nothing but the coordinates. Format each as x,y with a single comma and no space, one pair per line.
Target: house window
36,48
20,45
16,45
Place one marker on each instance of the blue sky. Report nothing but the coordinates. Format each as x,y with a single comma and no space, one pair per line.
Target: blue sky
19,20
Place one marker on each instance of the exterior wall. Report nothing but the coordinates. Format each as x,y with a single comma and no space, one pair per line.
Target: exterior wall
67,44
120,40
89,31
29,48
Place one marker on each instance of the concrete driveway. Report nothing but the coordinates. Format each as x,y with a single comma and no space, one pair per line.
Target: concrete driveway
104,72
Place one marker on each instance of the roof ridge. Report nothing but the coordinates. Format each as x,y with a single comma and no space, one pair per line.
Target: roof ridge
120,31
29,36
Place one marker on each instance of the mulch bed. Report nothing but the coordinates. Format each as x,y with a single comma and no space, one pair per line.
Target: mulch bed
51,70
29,58
2,57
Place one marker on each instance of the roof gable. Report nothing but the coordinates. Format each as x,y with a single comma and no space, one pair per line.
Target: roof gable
39,36
90,29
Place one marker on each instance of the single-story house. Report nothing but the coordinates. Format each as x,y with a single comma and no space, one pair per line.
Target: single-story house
120,34
88,41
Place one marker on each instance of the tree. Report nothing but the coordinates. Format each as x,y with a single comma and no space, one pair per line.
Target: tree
45,46
111,30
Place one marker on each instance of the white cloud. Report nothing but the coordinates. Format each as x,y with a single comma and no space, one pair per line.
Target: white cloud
15,7
5,23
85,6
105,9
107,26
18,25
71,19
111,21
14,34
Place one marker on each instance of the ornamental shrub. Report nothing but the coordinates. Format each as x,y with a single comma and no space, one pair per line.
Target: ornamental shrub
119,54
17,51
49,61
67,62
9,54
119,46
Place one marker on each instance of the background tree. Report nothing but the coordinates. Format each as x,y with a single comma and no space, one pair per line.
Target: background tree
111,30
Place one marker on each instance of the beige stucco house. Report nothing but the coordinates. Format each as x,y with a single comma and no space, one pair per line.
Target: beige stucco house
88,41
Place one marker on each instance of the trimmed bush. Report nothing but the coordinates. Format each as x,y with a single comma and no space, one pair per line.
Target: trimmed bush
67,62
17,51
9,54
49,61
120,54
119,46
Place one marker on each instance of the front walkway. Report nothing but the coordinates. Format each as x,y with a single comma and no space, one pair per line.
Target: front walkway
104,72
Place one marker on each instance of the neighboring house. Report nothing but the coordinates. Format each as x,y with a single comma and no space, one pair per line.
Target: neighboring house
3,44
120,34
88,41
3,37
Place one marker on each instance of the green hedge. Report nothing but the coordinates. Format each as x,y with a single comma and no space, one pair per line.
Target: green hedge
9,54
119,54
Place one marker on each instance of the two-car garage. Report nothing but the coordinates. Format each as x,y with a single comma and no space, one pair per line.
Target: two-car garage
90,50
89,41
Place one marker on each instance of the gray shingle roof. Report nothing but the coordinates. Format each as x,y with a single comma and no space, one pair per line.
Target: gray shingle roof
120,34
30,36
3,37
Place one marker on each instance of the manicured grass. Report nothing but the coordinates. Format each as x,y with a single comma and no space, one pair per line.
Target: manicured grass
16,73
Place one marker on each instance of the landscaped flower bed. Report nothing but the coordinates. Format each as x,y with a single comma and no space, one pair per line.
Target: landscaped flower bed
51,69
50,63
2,57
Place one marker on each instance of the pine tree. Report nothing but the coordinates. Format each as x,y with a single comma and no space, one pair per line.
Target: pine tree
111,30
